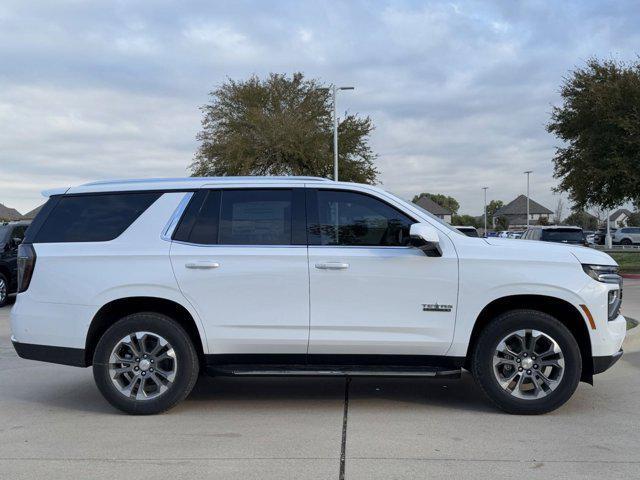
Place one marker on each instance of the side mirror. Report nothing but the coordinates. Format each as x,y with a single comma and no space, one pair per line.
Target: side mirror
425,237
16,241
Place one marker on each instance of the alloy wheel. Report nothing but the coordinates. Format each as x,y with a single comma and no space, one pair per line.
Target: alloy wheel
142,365
3,290
528,364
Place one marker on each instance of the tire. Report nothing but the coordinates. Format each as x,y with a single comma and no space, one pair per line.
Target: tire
160,391
625,241
4,290
531,397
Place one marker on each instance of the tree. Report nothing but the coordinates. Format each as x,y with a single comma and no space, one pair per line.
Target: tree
599,121
492,207
442,200
580,218
557,216
542,221
502,223
280,126
465,220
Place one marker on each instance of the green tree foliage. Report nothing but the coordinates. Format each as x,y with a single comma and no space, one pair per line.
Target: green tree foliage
582,219
442,200
280,126
466,221
599,122
502,223
492,207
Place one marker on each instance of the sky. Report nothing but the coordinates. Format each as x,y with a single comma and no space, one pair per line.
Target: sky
459,92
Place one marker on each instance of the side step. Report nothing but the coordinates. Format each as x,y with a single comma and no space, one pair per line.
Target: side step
248,370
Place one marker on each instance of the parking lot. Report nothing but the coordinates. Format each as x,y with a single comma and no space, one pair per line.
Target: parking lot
55,424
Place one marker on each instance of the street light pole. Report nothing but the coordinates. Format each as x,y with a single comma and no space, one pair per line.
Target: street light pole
485,210
334,90
528,172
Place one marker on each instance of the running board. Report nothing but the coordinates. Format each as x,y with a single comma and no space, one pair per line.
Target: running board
247,370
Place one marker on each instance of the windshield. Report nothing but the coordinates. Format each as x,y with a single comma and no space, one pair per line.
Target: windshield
429,214
562,235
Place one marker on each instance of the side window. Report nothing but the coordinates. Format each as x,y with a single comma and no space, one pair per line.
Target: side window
93,217
199,223
256,217
351,218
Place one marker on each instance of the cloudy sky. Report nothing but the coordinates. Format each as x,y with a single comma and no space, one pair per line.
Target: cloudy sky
459,91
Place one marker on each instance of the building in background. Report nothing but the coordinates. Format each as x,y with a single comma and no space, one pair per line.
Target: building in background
619,218
516,212
435,209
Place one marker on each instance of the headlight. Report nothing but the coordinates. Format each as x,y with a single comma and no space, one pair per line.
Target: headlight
603,273
608,274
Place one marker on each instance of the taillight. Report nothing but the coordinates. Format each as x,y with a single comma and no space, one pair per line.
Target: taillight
26,265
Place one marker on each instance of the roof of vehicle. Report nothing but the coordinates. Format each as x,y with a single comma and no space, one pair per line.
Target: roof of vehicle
553,227
175,183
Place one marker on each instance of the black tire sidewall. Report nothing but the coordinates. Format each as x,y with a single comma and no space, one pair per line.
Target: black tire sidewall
482,366
187,360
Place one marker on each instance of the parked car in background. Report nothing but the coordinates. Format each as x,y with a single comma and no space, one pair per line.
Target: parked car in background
468,231
627,236
556,234
11,235
515,234
503,234
153,281
601,235
589,236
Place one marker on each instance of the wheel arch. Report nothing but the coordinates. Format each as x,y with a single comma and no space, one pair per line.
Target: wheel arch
560,309
114,310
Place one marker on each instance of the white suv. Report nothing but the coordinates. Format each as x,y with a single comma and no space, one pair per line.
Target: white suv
154,281
627,236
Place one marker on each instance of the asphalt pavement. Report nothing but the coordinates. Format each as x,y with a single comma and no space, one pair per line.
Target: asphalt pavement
54,424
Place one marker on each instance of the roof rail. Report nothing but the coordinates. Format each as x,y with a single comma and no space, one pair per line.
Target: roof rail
208,179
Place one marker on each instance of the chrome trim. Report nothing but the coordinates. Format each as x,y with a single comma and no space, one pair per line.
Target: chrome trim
171,225
234,246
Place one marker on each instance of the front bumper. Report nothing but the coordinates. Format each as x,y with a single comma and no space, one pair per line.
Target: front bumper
601,364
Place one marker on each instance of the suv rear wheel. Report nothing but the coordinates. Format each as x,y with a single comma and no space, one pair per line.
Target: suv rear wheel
4,290
527,362
626,241
145,364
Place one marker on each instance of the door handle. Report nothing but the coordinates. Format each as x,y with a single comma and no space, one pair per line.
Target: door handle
202,265
332,266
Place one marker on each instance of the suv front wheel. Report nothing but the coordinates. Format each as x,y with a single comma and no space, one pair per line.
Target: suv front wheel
527,362
145,363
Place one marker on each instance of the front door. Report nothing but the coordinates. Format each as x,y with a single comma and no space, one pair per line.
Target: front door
240,258
371,293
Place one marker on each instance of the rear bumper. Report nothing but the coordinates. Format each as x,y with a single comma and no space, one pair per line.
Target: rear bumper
52,354
601,364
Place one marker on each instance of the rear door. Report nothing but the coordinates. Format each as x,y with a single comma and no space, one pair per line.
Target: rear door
371,293
240,258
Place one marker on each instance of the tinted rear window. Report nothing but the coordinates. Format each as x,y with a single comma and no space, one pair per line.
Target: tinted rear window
562,235
93,218
256,217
